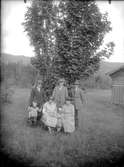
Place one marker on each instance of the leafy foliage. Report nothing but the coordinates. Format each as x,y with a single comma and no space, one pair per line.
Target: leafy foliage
97,81
66,36
17,74
78,38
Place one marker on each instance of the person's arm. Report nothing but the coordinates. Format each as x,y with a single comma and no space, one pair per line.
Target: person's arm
82,96
41,99
73,111
31,97
54,92
66,92
44,112
28,109
55,110
40,109
44,109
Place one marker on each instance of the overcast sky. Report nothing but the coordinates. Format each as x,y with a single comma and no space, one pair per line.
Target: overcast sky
16,42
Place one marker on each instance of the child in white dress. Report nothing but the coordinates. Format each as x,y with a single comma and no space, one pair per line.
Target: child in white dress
68,116
33,112
50,114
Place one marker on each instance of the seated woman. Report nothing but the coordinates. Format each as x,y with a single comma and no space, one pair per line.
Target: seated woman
68,116
50,114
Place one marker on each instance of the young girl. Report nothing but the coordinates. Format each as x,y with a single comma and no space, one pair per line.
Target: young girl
50,114
68,116
33,112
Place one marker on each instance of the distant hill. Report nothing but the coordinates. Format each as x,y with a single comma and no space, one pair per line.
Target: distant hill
104,65
108,66
8,58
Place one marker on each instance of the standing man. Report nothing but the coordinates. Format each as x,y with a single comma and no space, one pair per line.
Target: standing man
78,99
37,95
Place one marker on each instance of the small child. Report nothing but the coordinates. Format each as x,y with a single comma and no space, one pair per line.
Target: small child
50,114
68,116
33,112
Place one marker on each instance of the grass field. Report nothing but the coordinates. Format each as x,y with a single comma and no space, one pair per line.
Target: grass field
100,138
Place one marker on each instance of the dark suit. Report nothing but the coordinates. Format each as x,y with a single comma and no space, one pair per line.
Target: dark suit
78,99
38,96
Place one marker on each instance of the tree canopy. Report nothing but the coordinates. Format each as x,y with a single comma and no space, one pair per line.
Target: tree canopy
66,36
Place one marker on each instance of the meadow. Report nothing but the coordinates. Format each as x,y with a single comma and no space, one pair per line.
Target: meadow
99,142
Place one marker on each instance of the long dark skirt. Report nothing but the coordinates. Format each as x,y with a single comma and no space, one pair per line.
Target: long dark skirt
76,118
39,116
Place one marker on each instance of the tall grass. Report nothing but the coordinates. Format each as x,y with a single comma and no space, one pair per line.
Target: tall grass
99,141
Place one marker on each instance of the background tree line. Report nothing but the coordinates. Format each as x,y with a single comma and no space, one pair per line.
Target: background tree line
16,75
24,76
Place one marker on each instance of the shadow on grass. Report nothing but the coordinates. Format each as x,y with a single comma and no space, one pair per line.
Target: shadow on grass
114,160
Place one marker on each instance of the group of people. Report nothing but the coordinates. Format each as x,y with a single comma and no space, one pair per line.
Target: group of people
61,111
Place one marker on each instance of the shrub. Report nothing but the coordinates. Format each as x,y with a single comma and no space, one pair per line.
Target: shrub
100,81
6,93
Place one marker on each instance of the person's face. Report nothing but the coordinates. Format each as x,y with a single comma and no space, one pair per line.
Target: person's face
39,83
68,102
61,83
34,104
50,101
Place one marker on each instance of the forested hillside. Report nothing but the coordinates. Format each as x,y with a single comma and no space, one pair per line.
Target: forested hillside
8,58
104,65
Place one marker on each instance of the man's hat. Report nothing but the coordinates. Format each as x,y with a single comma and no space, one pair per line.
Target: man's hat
39,81
61,80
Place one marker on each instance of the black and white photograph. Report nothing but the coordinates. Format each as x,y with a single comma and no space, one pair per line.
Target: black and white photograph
62,83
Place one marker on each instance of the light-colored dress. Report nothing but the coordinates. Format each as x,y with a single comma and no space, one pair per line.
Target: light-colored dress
33,111
59,95
50,114
68,118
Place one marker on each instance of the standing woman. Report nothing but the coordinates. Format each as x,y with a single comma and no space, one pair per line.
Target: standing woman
78,97
60,93
37,95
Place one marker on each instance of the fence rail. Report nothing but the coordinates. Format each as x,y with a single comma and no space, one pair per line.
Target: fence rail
118,94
